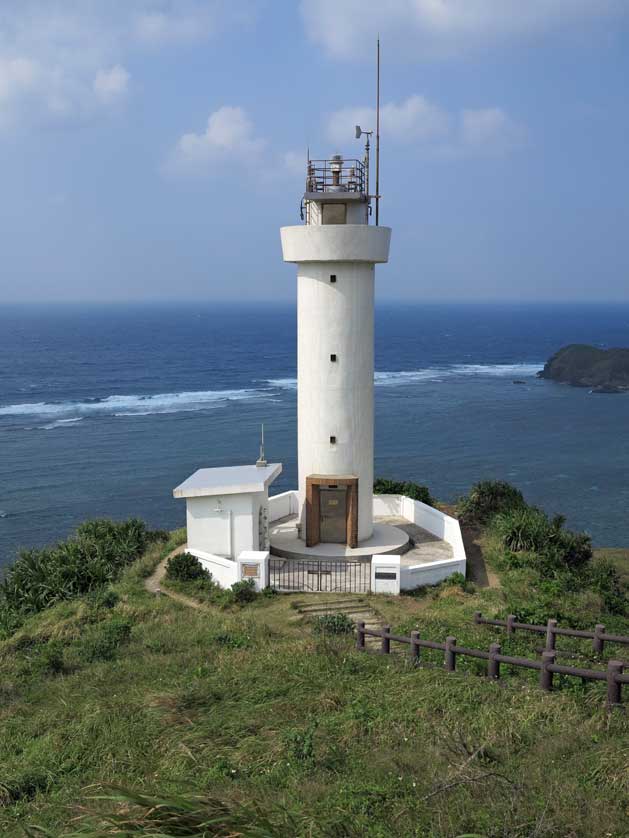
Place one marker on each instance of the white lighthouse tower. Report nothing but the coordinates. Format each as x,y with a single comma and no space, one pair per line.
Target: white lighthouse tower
336,251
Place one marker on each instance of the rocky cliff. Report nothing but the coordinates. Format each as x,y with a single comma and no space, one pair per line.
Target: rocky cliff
604,370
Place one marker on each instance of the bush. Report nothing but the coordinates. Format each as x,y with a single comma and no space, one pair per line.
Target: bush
104,640
93,558
244,591
185,568
488,498
333,624
408,489
51,659
550,548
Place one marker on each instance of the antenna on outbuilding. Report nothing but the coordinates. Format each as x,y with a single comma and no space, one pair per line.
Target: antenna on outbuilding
261,462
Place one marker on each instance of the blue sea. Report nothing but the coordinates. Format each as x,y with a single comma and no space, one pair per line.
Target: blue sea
103,410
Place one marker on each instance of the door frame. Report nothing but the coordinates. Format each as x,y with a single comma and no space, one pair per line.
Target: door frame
313,507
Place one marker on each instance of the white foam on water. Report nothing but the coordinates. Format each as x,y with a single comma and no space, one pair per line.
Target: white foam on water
436,374
192,400
131,405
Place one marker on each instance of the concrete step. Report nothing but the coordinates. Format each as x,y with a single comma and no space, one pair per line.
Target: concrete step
346,609
334,603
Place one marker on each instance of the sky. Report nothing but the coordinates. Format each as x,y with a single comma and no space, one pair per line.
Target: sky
152,149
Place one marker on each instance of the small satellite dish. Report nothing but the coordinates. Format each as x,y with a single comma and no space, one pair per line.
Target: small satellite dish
358,132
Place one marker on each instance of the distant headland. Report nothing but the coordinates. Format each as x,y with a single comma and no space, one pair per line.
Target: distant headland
603,370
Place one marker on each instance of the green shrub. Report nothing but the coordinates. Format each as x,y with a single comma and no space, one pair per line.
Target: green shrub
103,640
51,660
244,591
408,489
605,580
185,567
488,498
333,624
105,598
547,545
93,558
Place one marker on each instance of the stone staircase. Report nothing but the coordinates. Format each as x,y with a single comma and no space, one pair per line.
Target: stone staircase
356,608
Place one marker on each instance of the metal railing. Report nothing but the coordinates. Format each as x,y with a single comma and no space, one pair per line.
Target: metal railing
336,175
546,667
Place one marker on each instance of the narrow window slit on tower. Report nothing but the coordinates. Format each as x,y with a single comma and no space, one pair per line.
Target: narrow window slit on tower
332,277
332,440
333,358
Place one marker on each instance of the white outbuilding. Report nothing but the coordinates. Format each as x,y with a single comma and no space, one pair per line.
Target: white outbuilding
227,516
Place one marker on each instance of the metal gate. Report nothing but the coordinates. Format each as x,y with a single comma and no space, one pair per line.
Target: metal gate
320,575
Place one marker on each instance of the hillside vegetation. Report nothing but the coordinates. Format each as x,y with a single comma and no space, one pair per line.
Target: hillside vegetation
127,714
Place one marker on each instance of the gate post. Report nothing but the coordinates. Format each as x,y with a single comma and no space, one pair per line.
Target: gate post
360,636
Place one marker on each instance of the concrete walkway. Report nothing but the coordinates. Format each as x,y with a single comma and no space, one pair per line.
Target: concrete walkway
426,548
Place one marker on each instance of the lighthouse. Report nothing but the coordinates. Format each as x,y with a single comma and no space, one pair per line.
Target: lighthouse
336,250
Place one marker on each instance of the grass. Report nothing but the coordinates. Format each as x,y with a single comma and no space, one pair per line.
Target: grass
247,717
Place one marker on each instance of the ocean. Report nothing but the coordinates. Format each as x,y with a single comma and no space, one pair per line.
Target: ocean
104,409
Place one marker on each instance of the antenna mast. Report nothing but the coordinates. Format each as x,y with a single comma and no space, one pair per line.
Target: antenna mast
378,136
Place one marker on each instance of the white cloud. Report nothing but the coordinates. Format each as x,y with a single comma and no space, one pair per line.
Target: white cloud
63,60
413,120
490,131
228,136
295,162
419,122
158,28
429,28
110,85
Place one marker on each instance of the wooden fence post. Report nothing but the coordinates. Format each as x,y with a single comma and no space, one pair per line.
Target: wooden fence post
450,656
614,688
493,665
510,622
597,640
477,617
386,643
545,675
360,636
415,647
550,635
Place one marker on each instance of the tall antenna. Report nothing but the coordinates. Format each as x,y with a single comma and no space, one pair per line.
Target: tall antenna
378,136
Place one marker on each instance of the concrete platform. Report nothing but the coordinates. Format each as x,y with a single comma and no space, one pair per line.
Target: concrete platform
386,539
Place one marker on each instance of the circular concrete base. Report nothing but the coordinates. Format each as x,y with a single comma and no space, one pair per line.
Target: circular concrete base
385,540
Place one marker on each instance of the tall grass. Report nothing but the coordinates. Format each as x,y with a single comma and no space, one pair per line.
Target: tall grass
93,558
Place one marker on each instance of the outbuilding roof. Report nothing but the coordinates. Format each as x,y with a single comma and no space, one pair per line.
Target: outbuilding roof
230,480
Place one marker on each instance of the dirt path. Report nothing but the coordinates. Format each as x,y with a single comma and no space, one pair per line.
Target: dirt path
477,570
153,583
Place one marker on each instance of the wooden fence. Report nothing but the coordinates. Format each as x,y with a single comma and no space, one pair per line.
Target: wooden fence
598,636
546,667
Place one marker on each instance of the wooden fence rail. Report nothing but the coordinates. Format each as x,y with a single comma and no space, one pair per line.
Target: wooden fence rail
598,636
547,668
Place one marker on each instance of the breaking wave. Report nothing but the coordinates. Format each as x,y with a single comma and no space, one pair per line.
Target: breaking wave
437,374
64,413
131,405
